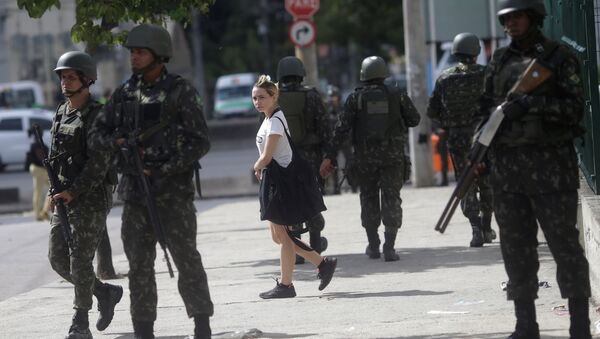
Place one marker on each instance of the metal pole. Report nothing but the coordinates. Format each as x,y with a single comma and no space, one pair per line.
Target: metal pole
199,80
416,59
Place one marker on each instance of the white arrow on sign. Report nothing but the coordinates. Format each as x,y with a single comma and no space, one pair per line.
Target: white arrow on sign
302,32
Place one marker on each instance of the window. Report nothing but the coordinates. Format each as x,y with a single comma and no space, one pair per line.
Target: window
44,124
11,124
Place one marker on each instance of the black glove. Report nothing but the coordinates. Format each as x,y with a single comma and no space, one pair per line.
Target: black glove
516,108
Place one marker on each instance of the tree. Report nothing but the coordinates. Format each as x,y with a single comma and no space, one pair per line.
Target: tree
94,20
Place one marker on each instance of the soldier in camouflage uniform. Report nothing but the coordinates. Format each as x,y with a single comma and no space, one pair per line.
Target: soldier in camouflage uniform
86,189
309,128
533,164
378,116
453,104
168,110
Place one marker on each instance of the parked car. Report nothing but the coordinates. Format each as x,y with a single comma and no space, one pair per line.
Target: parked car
14,139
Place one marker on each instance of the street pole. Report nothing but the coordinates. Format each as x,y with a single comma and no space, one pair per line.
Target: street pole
416,65
308,55
199,80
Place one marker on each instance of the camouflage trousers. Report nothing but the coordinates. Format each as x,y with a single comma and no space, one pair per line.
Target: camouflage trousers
88,221
518,215
380,183
179,223
314,157
478,200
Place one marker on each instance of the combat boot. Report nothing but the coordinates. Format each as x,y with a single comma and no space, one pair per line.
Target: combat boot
373,248
389,253
486,227
477,239
80,328
317,242
580,318
527,327
108,297
143,329
202,327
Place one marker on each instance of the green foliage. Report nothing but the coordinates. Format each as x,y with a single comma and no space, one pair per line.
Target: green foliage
368,24
95,19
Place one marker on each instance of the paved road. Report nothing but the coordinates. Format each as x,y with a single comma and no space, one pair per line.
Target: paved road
24,248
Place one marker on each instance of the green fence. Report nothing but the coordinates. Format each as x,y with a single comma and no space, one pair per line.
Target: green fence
575,22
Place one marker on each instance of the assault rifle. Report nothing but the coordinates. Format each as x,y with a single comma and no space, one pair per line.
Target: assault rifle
130,151
532,77
59,204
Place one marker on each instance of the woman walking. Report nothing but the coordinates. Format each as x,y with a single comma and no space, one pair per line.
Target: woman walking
273,145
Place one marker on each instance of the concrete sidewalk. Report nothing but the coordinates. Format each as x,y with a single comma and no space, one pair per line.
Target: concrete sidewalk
440,288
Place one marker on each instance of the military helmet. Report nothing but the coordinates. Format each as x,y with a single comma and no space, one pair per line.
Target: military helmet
373,67
153,37
288,66
78,61
467,44
509,6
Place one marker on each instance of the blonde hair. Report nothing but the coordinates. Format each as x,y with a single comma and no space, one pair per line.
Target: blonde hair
265,82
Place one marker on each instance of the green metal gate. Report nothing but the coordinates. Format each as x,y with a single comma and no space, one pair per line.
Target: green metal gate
575,22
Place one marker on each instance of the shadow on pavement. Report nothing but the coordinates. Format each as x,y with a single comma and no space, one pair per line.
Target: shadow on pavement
355,295
464,336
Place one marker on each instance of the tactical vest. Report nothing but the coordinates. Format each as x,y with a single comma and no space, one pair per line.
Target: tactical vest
292,101
152,120
379,115
69,144
460,97
530,129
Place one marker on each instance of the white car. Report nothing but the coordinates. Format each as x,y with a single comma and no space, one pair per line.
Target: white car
14,139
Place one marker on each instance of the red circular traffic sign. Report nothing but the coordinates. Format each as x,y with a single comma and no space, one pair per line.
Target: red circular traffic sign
302,32
302,9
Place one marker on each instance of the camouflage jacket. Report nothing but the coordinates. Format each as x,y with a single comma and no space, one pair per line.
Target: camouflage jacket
80,168
167,116
535,154
455,98
391,148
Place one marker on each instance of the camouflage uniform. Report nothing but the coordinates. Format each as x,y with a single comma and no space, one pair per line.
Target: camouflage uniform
171,152
306,116
380,165
534,171
453,104
83,172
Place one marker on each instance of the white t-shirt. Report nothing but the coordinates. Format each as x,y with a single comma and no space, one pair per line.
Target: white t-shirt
283,151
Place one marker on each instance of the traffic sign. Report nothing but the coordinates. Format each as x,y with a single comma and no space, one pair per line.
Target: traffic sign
302,32
302,9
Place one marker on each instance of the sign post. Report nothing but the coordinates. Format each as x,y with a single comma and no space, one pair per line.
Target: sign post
302,33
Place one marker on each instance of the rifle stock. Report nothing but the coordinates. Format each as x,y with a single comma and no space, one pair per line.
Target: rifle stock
59,204
130,150
533,76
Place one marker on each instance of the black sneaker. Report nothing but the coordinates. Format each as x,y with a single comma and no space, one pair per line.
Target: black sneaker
326,269
108,297
279,291
373,252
